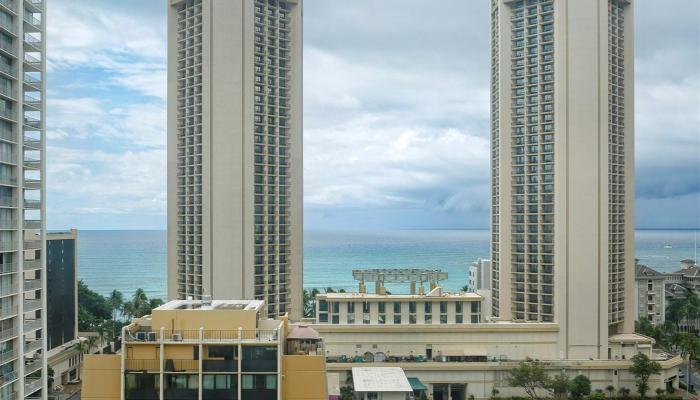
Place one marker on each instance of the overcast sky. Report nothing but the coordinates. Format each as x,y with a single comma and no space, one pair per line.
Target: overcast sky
396,121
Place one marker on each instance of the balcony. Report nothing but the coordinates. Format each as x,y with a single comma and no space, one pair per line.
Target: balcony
142,365
31,163
31,61
8,48
32,143
29,183
32,204
181,365
32,366
9,223
32,385
8,312
9,333
31,325
8,180
29,265
32,284
32,345
8,268
32,244
31,305
31,22
220,365
8,356
32,224
7,378
36,5
32,122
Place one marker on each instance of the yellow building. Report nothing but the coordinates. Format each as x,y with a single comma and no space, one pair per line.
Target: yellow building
210,350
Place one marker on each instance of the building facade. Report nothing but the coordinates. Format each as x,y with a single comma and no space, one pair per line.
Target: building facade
452,358
383,309
22,200
650,295
62,294
479,275
235,151
62,306
210,350
562,146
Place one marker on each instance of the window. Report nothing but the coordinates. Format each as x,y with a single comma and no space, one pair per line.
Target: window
251,382
365,312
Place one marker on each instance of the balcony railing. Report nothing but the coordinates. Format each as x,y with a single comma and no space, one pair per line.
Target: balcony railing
8,355
32,61
33,345
9,4
258,335
31,203
31,264
32,324
142,365
35,3
8,312
32,20
8,113
32,284
181,365
32,244
32,122
8,47
30,183
32,366
32,224
32,385
8,333
8,268
32,305
8,180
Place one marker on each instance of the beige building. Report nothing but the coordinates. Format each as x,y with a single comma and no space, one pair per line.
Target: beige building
562,111
650,295
235,151
225,349
22,200
448,356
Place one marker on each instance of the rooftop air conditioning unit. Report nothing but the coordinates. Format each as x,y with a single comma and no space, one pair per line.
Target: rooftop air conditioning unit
151,336
177,337
141,335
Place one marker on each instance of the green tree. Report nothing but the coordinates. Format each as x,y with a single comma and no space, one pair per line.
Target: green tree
611,390
597,396
642,368
580,387
466,288
310,302
688,345
529,375
92,308
559,386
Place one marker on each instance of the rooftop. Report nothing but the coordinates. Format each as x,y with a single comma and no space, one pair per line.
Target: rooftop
374,296
380,379
211,305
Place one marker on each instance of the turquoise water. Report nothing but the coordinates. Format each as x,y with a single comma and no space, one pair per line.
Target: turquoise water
125,260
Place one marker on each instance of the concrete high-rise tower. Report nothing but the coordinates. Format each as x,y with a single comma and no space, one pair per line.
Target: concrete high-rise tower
235,151
22,200
562,112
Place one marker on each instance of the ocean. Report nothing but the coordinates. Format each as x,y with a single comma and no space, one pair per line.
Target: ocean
126,260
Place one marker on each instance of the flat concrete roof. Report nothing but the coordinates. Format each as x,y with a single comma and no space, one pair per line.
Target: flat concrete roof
380,379
212,305
374,296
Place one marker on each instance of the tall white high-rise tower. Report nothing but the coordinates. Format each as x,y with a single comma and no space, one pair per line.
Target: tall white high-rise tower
235,151
562,111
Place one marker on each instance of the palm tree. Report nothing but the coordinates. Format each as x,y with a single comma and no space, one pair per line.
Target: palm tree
611,390
116,301
129,310
140,302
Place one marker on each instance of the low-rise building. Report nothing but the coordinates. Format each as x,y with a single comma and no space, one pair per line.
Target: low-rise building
650,294
210,350
454,358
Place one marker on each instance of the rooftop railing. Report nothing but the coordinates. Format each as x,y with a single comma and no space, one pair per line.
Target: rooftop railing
241,335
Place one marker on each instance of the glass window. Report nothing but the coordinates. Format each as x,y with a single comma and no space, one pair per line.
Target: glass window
412,306
382,307
397,308
351,307
428,307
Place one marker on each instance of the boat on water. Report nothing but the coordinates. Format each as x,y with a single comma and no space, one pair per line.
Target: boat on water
668,246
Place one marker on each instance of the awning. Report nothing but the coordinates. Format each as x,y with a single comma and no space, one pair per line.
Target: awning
461,351
416,384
